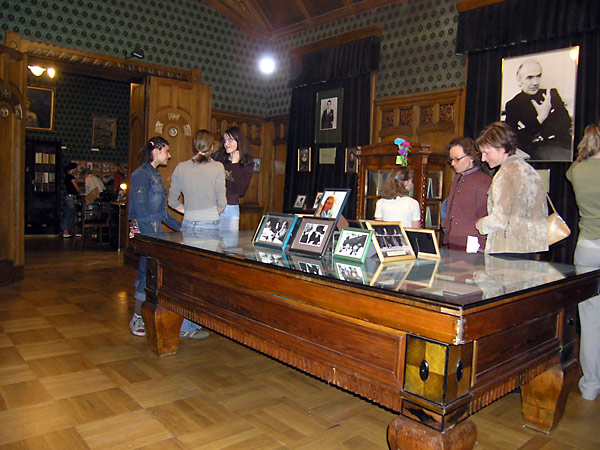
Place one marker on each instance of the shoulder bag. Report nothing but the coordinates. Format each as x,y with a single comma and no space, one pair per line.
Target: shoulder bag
557,228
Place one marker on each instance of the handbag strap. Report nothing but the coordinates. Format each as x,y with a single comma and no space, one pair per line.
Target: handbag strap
551,204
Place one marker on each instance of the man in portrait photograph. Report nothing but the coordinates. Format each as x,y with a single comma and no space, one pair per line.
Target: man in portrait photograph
539,116
327,116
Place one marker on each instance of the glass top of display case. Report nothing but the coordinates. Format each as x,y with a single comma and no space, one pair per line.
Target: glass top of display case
457,278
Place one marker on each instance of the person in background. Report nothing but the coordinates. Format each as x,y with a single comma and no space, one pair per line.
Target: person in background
583,175
239,167
396,205
72,191
515,224
92,181
468,195
118,178
148,208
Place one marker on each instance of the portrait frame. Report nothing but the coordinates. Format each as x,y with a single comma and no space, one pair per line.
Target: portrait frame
300,202
257,164
39,111
329,132
312,235
340,199
423,242
104,132
554,141
351,159
304,159
318,198
353,244
390,241
275,230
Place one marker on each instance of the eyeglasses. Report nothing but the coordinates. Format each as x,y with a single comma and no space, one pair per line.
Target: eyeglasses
455,160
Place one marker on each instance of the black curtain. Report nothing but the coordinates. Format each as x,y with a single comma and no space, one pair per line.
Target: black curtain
348,66
520,27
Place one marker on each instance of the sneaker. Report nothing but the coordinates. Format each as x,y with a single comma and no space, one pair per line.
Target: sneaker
136,325
194,334
67,235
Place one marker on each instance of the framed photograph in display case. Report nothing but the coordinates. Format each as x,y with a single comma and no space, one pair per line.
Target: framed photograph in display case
353,243
390,241
318,198
332,203
312,235
275,230
423,242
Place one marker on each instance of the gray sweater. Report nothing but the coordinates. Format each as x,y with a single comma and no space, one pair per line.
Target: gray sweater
203,189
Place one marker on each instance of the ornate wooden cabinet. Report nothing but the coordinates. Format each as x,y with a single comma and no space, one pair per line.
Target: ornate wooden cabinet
376,161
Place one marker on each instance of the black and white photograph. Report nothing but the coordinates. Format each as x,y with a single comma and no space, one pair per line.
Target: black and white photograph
304,159
275,230
351,160
353,243
273,257
318,198
391,242
312,235
538,102
300,201
328,126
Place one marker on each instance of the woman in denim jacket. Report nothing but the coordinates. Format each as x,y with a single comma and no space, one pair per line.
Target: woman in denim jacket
147,206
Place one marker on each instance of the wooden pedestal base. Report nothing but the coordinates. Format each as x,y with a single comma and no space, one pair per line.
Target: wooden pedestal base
162,329
543,399
406,434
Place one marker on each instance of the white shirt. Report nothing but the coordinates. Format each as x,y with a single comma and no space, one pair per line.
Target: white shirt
401,209
91,182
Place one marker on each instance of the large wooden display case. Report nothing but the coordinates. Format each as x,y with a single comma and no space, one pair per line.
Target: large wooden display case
376,161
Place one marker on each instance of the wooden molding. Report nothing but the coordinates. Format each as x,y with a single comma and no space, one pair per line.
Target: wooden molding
336,40
466,5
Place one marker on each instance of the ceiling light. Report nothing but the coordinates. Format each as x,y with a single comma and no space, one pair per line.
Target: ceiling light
51,72
36,70
267,65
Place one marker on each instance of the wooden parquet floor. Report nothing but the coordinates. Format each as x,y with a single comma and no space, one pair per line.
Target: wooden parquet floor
73,377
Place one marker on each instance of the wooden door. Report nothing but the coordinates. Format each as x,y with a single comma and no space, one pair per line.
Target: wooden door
175,111
13,81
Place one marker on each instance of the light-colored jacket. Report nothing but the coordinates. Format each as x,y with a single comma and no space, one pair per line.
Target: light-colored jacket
517,209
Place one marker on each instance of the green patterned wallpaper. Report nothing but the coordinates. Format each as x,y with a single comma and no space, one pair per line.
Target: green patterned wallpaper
417,52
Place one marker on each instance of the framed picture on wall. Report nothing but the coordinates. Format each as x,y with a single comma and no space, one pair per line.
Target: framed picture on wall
39,108
104,132
328,126
304,159
351,161
538,102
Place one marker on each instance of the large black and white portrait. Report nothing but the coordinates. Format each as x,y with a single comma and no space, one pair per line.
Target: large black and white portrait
313,234
538,102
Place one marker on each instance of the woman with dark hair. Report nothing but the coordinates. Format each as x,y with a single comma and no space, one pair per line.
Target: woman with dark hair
239,166
148,208
396,204
583,175
201,180
468,194
516,207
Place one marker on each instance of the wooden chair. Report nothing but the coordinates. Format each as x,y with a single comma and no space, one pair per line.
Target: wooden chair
95,222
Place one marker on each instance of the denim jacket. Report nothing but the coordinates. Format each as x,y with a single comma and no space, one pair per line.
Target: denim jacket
147,203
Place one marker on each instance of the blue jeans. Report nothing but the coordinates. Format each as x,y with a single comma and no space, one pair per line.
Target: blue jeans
230,219
68,214
197,226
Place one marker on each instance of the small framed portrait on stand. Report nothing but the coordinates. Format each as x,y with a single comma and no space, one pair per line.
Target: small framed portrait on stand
390,241
353,243
312,235
332,203
275,230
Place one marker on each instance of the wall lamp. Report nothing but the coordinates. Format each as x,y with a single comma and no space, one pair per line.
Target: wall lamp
38,71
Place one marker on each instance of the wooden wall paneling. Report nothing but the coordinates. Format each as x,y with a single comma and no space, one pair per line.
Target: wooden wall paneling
430,118
13,82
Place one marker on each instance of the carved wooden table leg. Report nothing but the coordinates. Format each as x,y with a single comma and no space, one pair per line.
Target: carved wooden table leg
406,434
162,329
543,399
